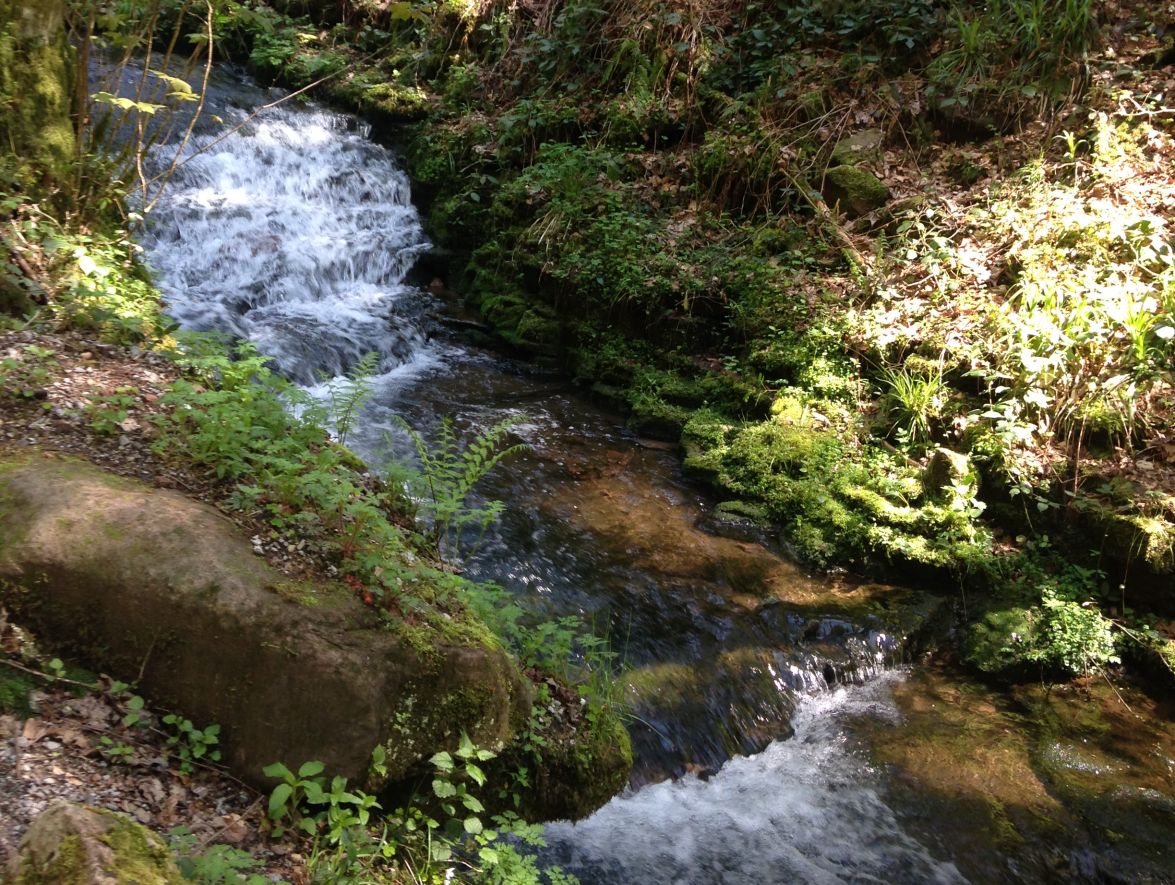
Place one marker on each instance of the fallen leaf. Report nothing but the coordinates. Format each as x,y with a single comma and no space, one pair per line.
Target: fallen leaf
34,730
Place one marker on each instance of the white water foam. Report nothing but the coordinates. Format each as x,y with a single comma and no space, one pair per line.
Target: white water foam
806,810
296,233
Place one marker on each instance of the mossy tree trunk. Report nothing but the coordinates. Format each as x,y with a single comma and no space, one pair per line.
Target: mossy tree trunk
36,89
37,141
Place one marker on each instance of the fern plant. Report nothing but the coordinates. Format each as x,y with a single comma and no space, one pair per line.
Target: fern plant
348,396
447,473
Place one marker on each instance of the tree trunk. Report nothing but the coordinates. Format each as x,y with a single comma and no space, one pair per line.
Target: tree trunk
36,90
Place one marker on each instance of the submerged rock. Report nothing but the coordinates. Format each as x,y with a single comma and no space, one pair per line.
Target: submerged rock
156,588
75,845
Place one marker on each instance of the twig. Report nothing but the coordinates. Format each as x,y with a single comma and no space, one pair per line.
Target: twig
1118,693
146,658
208,840
48,677
122,734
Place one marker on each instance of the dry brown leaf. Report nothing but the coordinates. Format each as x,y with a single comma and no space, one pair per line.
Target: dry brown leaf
236,830
74,737
34,730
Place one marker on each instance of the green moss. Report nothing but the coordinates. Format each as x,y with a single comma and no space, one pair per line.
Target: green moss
400,102
64,869
517,320
143,859
1145,538
571,774
424,724
36,87
857,190
743,510
653,416
139,857
876,506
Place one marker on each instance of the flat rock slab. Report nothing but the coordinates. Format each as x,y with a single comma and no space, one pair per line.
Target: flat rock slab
155,588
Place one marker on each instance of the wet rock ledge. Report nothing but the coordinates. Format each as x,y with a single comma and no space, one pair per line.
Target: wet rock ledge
160,590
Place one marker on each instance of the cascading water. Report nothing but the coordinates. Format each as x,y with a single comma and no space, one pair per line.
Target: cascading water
297,233
803,810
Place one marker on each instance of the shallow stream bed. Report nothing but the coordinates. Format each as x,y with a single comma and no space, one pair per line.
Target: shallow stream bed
778,738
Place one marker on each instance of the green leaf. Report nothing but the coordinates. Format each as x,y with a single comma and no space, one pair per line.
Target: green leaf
278,799
443,789
472,803
310,769
473,825
475,773
277,769
442,761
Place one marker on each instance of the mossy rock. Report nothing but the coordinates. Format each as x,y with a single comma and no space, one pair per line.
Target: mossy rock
856,190
524,324
142,582
998,644
755,514
863,146
1143,539
945,469
71,844
574,773
653,417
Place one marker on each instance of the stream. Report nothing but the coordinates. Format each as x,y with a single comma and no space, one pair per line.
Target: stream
746,676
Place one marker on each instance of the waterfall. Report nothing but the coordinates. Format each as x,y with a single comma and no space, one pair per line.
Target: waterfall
296,233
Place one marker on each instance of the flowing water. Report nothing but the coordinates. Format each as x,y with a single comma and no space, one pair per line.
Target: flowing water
298,233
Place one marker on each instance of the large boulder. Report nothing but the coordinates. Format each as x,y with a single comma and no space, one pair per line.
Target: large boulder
74,845
155,588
